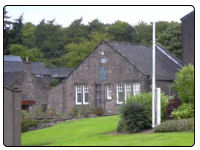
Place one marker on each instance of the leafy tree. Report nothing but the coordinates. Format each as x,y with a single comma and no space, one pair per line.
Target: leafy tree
76,32
171,39
143,34
6,32
16,32
77,52
28,35
96,26
161,26
121,31
184,84
22,51
49,38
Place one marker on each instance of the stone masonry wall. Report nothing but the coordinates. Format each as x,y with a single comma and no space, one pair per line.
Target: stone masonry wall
55,98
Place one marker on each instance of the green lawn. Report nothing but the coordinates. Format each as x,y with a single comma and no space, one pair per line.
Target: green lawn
100,131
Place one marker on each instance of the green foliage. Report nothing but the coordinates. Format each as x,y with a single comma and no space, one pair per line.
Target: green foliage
54,82
121,31
34,54
85,111
28,31
6,31
27,123
16,31
77,52
49,38
145,99
171,38
184,84
134,117
176,125
183,111
96,26
143,34
76,32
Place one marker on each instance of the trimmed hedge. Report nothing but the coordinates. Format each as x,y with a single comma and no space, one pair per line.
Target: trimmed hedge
176,125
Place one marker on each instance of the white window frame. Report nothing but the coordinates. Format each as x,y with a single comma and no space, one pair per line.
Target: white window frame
119,89
85,90
127,89
136,88
78,86
108,92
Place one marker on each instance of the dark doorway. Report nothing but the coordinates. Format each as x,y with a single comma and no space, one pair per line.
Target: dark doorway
98,95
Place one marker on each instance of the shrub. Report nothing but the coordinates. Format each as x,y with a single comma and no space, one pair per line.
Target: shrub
183,111
99,111
184,84
176,125
27,123
121,126
86,110
145,99
134,117
81,111
173,104
74,112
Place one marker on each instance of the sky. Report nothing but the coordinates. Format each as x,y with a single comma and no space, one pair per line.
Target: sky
65,15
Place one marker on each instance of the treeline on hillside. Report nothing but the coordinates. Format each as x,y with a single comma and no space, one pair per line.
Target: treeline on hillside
59,46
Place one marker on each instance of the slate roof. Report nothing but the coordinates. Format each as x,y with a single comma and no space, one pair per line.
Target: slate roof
10,77
11,66
60,72
12,58
141,57
39,68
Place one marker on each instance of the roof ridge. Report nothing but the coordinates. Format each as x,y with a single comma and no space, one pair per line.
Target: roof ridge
128,43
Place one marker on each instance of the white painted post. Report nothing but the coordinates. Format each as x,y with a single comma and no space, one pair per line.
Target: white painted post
158,109
153,78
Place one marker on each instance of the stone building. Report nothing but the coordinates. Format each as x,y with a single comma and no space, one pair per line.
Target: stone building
33,79
112,72
188,38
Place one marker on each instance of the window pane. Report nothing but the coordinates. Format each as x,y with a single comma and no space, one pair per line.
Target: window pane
87,97
136,88
120,87
79,97
86,89
102,73
120,96
109,92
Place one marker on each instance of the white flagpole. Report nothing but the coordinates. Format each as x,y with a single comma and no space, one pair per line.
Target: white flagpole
153,78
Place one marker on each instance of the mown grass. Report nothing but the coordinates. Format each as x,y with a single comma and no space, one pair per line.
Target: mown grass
100,131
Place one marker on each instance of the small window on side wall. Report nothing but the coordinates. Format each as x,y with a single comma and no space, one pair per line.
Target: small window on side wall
120,94
136,88
108,92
